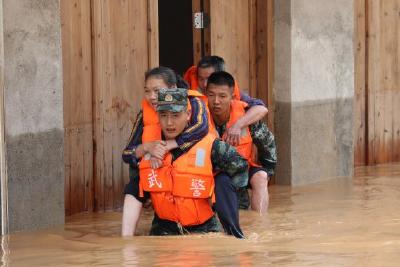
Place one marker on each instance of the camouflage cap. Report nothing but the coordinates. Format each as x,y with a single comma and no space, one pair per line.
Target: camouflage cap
173,99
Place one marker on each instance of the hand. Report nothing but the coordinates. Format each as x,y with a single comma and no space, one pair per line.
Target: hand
157,149
232,135
155,163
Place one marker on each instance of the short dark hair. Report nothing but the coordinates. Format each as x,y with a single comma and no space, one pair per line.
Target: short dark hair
164,73
181,83
221,78
218,63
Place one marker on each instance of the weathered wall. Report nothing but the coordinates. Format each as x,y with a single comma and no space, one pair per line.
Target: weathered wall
33,113
314,89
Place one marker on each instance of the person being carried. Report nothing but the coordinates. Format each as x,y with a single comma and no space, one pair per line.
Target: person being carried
182,188
225,111
197,77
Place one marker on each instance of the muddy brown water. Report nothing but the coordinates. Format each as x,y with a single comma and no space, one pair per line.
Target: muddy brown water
342,222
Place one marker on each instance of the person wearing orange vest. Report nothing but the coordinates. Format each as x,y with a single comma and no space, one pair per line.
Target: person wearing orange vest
225,111
144,139
197,77
181,189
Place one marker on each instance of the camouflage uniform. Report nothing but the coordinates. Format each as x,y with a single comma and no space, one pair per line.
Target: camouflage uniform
264,140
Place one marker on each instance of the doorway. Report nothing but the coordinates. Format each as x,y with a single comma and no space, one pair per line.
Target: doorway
175,34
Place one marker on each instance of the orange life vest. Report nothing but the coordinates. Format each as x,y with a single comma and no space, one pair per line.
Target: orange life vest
245,147
180,190
191,77
151,123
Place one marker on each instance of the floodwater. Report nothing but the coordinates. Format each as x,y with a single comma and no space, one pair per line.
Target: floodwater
341,222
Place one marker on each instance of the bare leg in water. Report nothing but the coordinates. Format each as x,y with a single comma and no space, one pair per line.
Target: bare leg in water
130,215
259,192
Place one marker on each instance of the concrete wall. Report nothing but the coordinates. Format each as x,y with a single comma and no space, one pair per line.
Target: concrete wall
314,89
33,113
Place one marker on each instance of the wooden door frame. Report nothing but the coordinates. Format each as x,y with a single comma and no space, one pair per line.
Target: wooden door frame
152,35
360,84
200,35
262,54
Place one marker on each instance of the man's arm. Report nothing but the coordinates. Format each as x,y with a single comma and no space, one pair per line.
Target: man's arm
256,112
129,155
264,140
225,158
135,149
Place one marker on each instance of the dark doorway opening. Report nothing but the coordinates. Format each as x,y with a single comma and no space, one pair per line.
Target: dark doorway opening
175,34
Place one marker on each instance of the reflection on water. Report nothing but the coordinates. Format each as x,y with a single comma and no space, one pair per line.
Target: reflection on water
343,222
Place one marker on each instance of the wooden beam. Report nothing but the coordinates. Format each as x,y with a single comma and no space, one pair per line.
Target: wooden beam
253,43
372,79
152,26
121,57
77,100
270,64
196,33
230,37
360,96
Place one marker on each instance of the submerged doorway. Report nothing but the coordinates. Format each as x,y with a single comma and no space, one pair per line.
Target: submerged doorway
107,47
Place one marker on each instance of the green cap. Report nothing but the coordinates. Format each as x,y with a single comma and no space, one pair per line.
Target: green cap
173,99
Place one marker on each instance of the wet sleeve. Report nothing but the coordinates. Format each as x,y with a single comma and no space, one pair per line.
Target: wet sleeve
264,140
225,158
134,140
198,127
251,101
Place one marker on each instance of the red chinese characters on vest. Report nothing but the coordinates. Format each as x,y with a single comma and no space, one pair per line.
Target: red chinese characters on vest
180,189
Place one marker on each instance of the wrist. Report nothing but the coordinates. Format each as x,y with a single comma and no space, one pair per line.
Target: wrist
240,124
171,144
145,148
